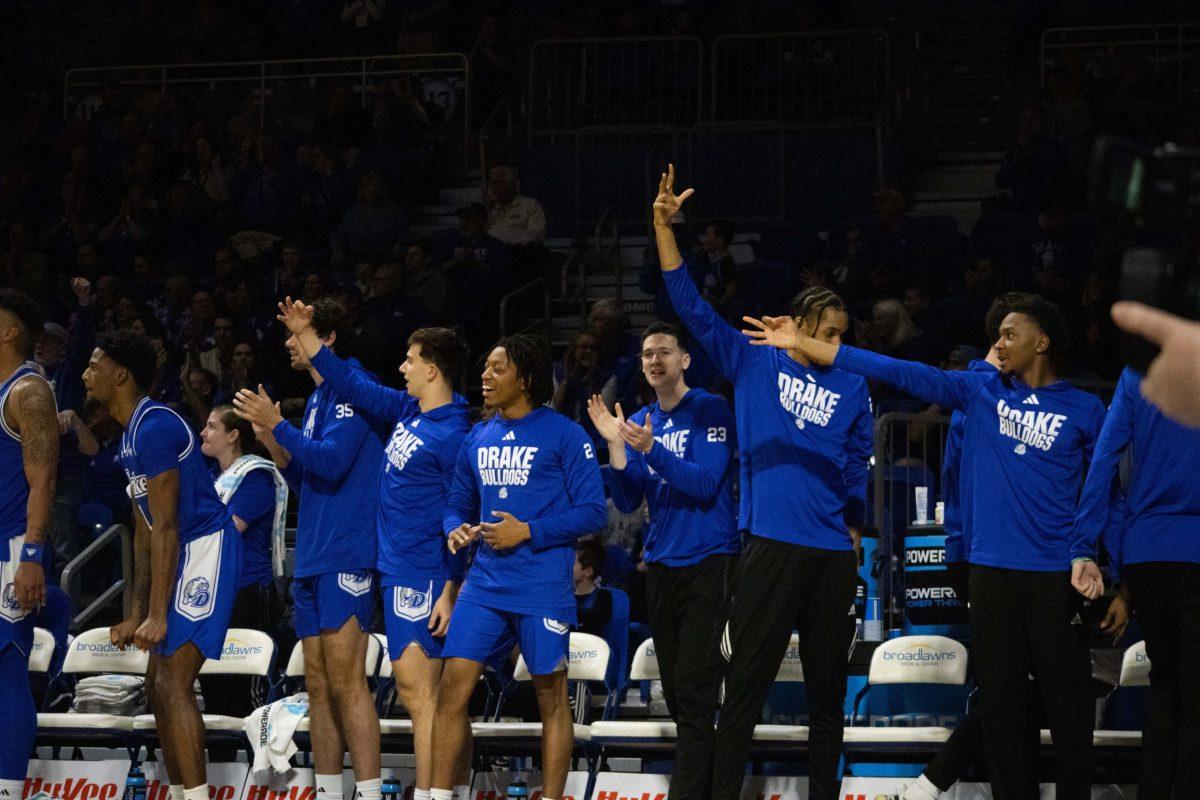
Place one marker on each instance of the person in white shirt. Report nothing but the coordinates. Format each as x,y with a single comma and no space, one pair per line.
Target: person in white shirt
512,217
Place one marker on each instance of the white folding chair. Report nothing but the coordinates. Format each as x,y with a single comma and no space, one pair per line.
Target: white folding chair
91,653
587,660
372,667
907,660
1135,673
246,652
42,652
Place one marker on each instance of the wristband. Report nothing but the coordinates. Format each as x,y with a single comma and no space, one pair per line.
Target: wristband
32,552
1081,559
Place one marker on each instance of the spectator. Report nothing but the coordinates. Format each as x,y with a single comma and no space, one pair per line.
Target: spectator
720,273
171,307
134,225
217,355
244,371
326,192
361,25
200,392
890,242
618,350
593,602
472,240
373,226
1054,256
22,267
428,285
581,376
895,334
513,218
1069,119
1036,164
63,371
289,277
314,287
208,173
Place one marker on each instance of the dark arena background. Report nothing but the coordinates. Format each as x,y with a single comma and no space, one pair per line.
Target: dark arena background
177,169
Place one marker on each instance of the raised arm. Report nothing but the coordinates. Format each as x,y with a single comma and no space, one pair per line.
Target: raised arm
727,348
32,409
367,395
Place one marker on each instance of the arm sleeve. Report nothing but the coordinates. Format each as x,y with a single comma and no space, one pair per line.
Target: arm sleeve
728,347
712,448
1092,513
331,456
255,498
861,447
162,441
628,485
462,499
947,388
356,386
1114,533
587,511
448,464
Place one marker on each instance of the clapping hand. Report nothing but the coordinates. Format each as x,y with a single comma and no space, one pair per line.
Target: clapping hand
607,424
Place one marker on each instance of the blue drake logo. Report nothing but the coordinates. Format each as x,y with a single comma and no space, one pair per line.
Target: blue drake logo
197,593
411,598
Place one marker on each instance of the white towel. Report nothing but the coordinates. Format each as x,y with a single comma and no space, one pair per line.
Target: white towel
270,731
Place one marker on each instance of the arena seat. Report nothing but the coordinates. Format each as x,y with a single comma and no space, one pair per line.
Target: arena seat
42,652
92,653
906,660
1134,678
246,652
374,663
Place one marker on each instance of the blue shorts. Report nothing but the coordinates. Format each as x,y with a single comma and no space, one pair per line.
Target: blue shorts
406,612
483,634
324,602
206,587
16,626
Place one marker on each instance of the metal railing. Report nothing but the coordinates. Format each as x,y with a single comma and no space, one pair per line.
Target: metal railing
577,83
285,93
122,588
812,78
1168,49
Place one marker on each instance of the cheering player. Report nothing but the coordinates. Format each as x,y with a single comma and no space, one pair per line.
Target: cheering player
1158,551
28,467
806,435
1026,441
187,551
420,580
678,453
333,462
528,485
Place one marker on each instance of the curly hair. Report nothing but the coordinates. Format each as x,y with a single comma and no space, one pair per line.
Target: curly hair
133,352
23,307
1050,318
531,357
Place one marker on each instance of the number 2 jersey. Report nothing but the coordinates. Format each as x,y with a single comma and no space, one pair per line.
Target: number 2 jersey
158,440
542,469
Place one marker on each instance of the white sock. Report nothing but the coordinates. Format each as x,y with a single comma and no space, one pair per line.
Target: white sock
329,787
421,794
369,790
176,791
12,789
462,792
921,789
196,792
441,794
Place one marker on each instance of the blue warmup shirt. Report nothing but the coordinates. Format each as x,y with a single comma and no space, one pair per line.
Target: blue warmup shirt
542,469
414,479
158,440
334,468
806,433
14,488
1024,451
254,504
686,478
957,541
1162,501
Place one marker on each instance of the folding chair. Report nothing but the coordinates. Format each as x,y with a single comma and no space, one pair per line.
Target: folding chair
92,653
907,660
587,661
41,655
1135,675
246,652
293,677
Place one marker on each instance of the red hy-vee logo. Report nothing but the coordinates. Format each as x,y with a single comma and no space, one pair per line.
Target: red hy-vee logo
260,792
72,789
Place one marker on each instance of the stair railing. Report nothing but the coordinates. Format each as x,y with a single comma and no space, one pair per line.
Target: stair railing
121,588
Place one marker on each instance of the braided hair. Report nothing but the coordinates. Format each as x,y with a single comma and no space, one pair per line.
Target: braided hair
812,303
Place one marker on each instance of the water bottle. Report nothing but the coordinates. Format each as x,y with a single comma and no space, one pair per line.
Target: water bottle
135,784
873,626
389,787
518,789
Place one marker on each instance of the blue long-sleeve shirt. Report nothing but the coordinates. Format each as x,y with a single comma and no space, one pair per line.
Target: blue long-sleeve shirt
687,479
957,539
334,468
806,433
416,471
1025,449
542,469
1162,500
